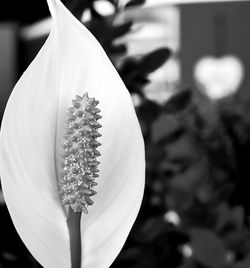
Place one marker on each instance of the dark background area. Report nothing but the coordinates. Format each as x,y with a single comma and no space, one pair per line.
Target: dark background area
23,12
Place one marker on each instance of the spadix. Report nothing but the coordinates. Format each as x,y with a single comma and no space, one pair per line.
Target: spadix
79,163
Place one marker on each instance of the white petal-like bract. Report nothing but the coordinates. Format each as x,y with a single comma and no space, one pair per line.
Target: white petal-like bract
70,63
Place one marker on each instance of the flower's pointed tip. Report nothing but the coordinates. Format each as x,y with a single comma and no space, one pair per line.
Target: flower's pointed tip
85,95
52,7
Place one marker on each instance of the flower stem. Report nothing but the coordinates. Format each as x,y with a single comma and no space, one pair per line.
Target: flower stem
74,226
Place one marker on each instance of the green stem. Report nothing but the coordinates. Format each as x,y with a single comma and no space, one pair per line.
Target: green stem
74,226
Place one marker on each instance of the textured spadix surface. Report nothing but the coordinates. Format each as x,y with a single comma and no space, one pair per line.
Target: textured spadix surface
70,63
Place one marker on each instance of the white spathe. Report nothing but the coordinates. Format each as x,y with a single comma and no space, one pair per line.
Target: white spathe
219,77
70,63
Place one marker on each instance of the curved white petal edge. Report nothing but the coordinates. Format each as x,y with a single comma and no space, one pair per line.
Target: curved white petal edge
70,63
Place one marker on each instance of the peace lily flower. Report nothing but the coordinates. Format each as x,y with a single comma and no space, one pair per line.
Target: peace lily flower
49,145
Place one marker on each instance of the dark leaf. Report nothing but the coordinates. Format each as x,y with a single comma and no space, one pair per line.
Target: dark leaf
106,33
154,60
178,102
149,111
121,29
128,66
119,49
135,3
135,83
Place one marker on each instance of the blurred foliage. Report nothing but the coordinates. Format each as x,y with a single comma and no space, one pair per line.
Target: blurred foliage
195,211
134,72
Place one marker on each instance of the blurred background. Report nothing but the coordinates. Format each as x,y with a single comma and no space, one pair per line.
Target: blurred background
186,65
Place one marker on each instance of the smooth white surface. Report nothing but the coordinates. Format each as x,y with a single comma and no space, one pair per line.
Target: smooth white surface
71,62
